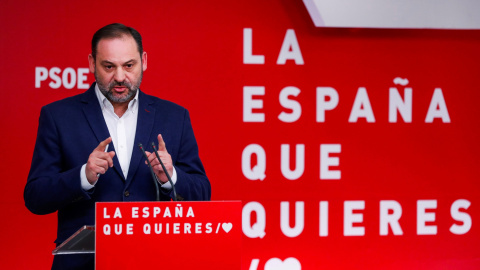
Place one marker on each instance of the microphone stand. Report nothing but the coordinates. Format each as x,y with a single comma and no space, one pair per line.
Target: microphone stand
154,176
175,198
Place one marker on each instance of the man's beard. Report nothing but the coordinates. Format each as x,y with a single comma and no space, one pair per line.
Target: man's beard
107,90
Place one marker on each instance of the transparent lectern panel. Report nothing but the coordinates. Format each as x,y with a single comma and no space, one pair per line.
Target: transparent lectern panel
81,242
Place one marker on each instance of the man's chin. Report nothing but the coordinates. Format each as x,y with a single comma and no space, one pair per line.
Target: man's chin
119,98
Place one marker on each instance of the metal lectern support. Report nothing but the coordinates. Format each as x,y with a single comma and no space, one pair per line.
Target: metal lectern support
81,242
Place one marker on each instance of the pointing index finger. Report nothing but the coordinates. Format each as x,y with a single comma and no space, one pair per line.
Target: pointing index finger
161,143
103,145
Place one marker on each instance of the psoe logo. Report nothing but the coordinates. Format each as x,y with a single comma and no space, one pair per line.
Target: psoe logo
56,77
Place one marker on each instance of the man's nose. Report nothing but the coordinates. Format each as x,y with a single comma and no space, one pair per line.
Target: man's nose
119,75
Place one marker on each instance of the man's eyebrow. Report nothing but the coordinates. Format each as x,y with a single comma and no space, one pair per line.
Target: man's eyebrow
106,62
131,61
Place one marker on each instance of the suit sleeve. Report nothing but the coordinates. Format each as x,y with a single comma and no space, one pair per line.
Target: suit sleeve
50,185
192,182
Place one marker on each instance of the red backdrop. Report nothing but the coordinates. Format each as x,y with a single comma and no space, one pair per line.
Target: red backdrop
196,59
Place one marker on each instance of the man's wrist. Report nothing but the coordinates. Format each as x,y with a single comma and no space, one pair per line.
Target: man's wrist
83,179
167,184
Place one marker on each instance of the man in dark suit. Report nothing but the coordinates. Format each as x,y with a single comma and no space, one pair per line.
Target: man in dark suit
87,145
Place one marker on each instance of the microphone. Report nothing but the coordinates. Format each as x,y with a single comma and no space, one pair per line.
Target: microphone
175,198
154,176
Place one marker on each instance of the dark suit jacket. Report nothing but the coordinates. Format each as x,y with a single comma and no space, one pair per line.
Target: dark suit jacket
68,132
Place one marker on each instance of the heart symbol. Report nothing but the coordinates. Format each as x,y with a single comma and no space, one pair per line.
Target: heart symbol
288,264
227,227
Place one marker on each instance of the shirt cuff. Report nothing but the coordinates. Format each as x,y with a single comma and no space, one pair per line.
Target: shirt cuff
167,185
83,179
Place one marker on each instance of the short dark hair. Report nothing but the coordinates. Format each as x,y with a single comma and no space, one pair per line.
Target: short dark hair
115,30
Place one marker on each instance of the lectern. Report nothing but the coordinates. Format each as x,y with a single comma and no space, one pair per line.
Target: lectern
161,235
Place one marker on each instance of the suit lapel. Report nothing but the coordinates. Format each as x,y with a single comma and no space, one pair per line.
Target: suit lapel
93,113
145,121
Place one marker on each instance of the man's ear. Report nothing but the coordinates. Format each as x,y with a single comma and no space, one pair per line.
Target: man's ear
91,63
144,61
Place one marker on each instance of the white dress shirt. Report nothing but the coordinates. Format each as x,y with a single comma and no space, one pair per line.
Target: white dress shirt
122,130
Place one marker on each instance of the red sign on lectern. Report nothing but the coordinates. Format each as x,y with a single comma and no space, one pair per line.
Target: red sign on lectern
181,235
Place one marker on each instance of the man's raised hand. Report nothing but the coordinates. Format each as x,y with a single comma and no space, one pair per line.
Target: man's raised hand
166,159
99,161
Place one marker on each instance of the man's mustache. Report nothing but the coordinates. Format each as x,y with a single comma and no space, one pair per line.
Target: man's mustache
122,84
